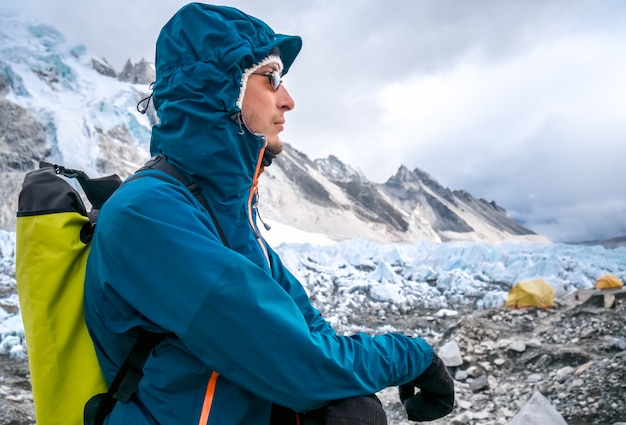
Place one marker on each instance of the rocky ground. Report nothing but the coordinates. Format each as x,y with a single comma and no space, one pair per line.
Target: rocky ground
16,400
574,355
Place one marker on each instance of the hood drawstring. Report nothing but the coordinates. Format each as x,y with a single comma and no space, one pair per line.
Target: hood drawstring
255,206
237,118
143,104
258,213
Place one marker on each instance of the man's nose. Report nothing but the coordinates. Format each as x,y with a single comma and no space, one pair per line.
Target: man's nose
286,102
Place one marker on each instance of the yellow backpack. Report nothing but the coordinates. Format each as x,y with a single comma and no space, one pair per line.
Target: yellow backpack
53,234
52,244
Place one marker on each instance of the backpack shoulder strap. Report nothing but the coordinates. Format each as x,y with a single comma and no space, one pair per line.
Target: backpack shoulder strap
125,382
161,163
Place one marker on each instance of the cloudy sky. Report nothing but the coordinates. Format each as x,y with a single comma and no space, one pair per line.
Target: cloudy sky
521,101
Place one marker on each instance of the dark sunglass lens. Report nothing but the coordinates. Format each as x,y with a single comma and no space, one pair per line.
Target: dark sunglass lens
275,79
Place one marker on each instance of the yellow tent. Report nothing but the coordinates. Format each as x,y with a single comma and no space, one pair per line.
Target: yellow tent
531,293
609,281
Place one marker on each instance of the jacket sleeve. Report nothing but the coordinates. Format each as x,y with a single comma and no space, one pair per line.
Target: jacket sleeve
294,288
230,313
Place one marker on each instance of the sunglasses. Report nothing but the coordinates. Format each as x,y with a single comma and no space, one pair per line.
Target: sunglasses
274,78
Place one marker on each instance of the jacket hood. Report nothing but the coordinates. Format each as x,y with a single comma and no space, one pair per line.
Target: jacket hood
201,55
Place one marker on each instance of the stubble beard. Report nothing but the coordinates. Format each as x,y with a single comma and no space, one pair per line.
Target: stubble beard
275,147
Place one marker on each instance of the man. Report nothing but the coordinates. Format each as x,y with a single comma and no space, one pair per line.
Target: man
243,344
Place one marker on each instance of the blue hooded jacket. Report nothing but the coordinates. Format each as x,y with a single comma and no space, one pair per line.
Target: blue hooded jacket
241,331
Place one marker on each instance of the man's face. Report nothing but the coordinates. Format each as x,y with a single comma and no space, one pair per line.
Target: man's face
263,108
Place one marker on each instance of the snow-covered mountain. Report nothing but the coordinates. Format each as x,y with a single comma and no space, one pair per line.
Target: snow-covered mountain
59,103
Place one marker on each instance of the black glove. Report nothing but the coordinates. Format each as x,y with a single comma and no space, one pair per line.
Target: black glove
435,398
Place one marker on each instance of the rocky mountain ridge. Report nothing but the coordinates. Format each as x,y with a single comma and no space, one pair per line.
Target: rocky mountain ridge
331,197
